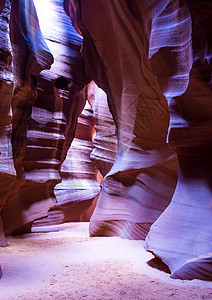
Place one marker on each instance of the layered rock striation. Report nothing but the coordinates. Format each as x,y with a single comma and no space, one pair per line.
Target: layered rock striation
181,236
30,56
78,187
7,170
105,141
153,59
46,103
141,182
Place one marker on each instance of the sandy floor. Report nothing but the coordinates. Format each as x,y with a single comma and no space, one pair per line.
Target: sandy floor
66,264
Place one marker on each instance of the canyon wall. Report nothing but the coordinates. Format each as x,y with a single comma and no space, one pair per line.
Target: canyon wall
141,182
152,58
7,173
46,97
181,236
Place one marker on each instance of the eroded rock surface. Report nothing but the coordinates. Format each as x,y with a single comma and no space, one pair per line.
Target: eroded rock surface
30,56
79,186
142,180
105,141
182,235
143,52
45,106
7,171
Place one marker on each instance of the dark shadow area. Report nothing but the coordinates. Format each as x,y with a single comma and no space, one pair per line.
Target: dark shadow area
157,263
61,83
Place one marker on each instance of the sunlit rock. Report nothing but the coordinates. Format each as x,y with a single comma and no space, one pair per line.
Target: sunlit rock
79,185
105,141
141,182
7,171
44,108
142,53
30,56
182,235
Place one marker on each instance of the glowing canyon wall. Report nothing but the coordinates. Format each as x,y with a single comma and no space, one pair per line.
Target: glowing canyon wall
131,81
152,58
47,96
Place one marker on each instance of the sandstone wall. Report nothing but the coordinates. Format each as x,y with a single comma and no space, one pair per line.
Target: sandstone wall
152,58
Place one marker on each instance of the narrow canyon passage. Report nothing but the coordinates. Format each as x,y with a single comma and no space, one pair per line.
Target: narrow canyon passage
105,149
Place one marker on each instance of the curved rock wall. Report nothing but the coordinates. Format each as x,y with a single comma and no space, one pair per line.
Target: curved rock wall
141,53
30,56
182,235
7,171
142,180
45,107
105,141
79,186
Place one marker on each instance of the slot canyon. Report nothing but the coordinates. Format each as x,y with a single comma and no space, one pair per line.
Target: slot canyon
105,149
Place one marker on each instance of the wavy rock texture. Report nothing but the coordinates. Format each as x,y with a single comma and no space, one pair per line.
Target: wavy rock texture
45,108
30,56
142,180
79,185
26,65
182,235
7,171
105,141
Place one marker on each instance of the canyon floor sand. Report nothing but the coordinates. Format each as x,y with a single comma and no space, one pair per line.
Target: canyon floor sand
62,262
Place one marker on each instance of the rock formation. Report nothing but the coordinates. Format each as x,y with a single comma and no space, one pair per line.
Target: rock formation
141,51
182,235
105,141
79,186
45,107
30,56
142,180
7,171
